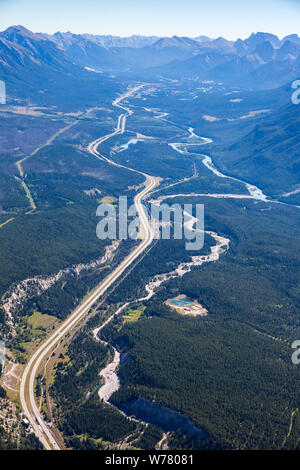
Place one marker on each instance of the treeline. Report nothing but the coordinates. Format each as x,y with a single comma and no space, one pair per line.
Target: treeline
228,379
61,298
23,441
164,257
97,421
78,409
77,371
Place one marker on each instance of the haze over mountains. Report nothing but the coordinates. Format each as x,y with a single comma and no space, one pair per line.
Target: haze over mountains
46,69
260,61
91,118
23,52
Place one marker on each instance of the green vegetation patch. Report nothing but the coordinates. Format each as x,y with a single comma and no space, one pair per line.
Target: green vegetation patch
108,200
40,320
132,315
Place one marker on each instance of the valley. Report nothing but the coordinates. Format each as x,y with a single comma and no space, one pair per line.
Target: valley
116,356
142,344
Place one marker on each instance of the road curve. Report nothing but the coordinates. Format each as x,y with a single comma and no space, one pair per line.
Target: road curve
27,398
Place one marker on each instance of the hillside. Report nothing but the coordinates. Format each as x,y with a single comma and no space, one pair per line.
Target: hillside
269,154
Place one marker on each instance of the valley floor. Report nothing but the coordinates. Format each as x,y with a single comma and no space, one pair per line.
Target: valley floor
229,372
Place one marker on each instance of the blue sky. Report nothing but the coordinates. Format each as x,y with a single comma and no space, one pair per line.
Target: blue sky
228,18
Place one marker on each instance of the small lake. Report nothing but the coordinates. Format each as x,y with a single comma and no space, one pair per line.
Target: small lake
168,420
182,302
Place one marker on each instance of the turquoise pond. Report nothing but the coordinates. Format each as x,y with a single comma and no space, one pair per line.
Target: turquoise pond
183,302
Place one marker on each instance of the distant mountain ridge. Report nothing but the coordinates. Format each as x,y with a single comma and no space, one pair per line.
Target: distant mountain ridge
35,68
261,60
23,52
107,41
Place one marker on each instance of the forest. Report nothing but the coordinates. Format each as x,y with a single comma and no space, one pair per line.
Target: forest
253,317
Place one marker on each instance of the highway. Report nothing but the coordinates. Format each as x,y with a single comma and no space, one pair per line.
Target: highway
27,387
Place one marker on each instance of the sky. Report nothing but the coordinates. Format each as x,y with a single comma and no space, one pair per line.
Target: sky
214,18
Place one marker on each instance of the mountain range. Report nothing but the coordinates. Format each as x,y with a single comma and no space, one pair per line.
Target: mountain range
37,70
260,61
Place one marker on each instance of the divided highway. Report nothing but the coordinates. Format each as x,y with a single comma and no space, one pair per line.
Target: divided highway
27,388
